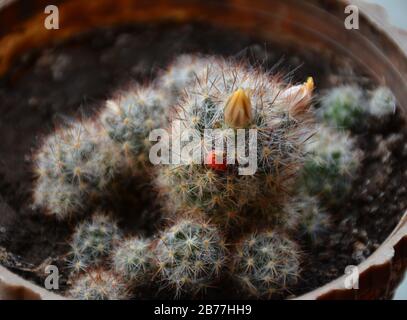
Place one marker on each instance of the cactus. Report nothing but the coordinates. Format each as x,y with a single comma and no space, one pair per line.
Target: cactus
266,264
343,107
309,218
231,96
183,71
134,260
331,164
382,103
190,256
73,164
98,285
93,241
129,119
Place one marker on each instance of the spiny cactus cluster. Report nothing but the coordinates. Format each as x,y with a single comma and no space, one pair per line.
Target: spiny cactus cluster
191,255
331,165
301,169
309,218
92,241
72,166
267,264
348,107
382,103
134,260
99,284
129,119
230,96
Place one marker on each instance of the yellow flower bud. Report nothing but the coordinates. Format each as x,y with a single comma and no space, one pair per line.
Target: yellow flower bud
238,110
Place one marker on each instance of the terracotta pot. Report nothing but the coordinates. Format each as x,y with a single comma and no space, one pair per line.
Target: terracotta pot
317,24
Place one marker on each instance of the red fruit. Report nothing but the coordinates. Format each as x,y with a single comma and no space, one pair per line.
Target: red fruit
211,162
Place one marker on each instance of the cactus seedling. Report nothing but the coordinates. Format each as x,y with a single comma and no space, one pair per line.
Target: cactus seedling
182,72
382,103
311,220
190,256
134,260
98,285
343,107
92,241
331,164
266,264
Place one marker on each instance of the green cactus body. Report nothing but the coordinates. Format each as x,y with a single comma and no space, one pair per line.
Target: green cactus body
343,107
134,260
93,241
266,264
331,165
190,256
98,285
382,103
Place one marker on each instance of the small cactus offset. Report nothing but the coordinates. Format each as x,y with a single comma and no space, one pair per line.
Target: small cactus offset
134,260
343,107
382,103
190,255
73,165
99,284
266,264
129,119
93,241
232,96
310,219
182,72
331,164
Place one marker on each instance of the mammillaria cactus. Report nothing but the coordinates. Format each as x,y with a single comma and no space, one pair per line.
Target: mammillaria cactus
72,165
190,256
134,260
183,71
266,264
309,218
331,164
92,241
382,103
98,284
234,100
343,107
129,119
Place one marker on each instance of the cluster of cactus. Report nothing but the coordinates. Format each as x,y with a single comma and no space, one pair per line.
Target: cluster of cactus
300,169
348,107
229,95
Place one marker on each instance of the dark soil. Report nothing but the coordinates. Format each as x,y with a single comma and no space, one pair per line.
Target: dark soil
73,79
